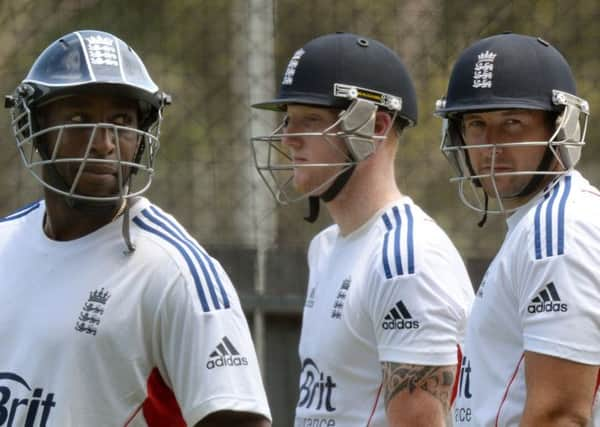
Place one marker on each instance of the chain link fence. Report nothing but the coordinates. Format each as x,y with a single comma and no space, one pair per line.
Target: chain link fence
216,57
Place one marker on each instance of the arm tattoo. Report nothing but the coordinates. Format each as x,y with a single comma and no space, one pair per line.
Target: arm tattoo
436,380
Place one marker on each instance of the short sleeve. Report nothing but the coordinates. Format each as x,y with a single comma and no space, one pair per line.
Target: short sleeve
208,357
420,318
559,297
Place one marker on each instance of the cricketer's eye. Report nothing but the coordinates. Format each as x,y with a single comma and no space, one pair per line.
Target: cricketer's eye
76,118
474,124
123,119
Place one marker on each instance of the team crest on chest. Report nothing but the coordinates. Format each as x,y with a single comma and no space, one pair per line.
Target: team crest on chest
338,304
92,311
483,73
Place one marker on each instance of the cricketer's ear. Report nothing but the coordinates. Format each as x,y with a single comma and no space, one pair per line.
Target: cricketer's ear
383,121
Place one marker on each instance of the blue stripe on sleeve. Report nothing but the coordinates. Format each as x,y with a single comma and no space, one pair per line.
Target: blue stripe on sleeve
198,251
386,263
411,255
549,206
561,216
397,252
140,223
387,222
193,249
538,231
21,212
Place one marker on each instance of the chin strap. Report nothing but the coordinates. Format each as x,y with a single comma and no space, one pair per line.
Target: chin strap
481,223
328,195
313,209
125,230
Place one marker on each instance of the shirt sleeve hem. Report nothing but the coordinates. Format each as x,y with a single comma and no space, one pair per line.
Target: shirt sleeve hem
418,358
561,350
226,403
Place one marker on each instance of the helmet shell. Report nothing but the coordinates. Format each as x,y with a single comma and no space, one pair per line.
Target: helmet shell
507,71
348,59
88,61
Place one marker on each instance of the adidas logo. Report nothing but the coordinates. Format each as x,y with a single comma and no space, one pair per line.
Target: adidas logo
547,301
225,355
399,318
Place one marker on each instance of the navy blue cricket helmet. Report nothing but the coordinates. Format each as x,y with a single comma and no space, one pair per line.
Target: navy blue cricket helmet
507,71
351,73
345,59
512,71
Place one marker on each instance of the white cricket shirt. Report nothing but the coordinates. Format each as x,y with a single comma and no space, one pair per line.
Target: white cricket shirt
93,336
395,290
541,293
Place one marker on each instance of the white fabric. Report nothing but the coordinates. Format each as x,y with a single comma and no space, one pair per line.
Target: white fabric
75,361
394,290
541,293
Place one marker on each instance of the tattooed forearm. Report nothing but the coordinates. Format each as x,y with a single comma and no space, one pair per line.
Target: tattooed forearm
436,380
